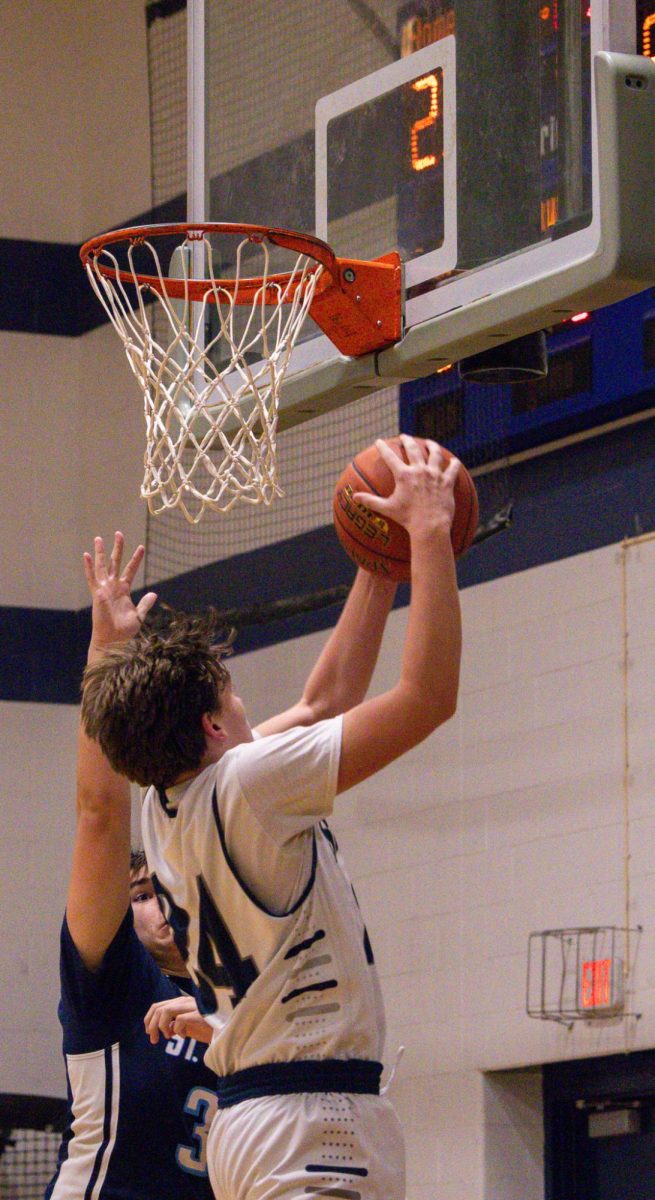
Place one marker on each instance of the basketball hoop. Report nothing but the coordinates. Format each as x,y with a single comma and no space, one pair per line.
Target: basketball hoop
211,393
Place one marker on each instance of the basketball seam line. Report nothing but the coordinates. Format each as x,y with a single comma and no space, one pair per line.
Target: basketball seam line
374,491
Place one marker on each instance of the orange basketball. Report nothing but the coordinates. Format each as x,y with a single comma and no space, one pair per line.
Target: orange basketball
377,543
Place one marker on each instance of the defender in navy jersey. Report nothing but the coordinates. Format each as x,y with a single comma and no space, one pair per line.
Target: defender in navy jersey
251,878
139,1113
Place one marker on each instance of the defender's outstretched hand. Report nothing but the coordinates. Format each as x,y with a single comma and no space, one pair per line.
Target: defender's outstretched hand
423,497
115,617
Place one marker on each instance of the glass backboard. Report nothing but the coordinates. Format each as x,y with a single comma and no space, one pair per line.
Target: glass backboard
463,133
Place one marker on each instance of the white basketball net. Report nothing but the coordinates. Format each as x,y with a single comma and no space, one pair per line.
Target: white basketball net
210,400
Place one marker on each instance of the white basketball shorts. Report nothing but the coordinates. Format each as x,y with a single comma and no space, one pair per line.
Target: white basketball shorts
311,1144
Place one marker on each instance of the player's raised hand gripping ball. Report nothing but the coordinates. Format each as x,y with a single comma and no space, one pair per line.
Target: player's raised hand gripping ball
377,543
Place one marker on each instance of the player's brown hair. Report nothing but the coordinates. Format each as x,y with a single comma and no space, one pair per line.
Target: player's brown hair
138,861
145,699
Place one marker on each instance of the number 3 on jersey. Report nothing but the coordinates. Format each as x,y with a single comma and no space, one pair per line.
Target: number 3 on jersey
200,1103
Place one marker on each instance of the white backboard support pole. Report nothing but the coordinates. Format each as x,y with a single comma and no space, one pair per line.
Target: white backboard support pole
196,151
196,114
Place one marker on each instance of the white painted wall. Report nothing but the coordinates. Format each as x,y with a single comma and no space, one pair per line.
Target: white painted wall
74,131
74,126
37,749
513,1130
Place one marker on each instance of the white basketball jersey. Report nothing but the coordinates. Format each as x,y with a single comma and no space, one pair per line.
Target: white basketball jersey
277,983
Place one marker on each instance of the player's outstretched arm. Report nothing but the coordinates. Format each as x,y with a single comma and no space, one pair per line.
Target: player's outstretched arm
98,891
381,729
342,673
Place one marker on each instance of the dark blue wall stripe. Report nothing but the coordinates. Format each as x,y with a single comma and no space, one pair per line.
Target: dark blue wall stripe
582,498
44,287
42,655
41,289
590,495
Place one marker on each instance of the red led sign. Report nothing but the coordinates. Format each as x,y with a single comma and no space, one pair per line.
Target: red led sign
596,983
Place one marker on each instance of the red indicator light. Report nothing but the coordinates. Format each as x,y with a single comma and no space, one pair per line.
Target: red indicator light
595,980
579,317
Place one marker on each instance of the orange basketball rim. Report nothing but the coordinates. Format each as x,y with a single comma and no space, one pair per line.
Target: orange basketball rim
356,302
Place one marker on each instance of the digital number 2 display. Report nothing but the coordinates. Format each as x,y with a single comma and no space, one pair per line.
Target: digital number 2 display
421,156
426,142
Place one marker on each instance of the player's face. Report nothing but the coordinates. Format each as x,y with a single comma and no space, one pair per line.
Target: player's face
233,719
151,928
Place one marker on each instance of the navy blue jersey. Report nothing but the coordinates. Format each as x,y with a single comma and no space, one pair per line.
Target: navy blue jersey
139,1114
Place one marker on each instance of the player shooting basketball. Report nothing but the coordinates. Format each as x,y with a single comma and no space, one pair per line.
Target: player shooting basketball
250,875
